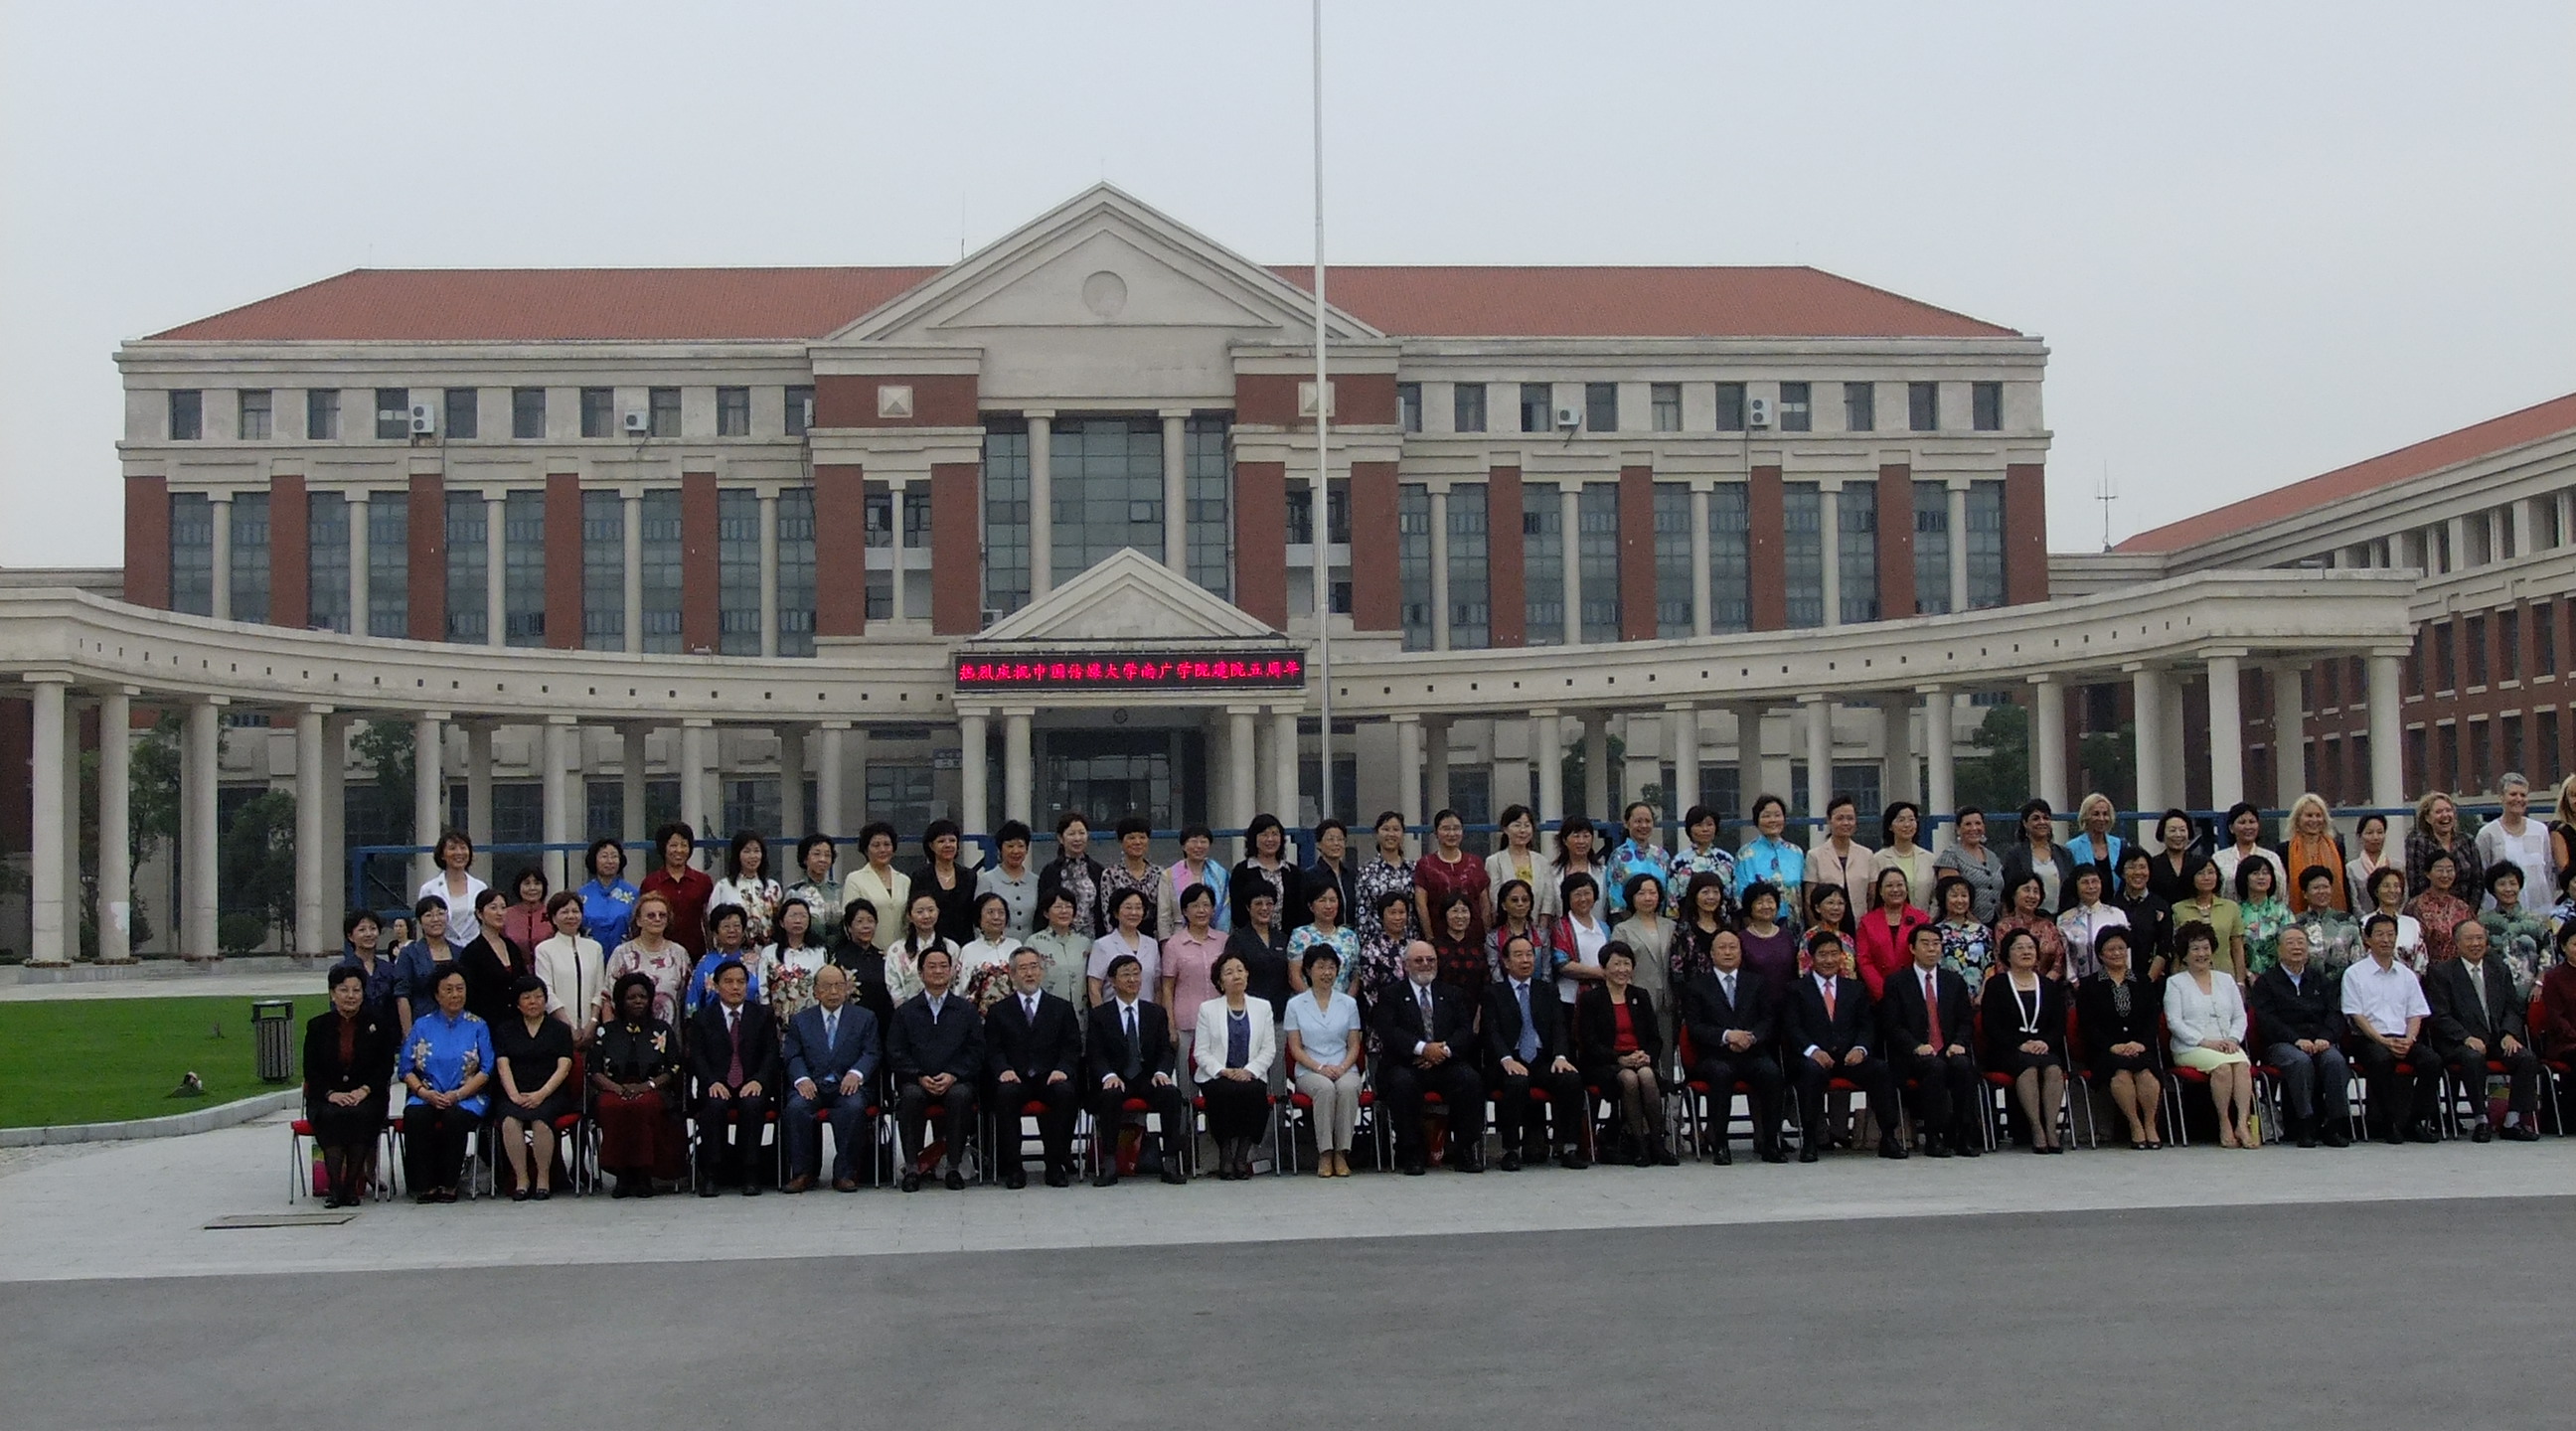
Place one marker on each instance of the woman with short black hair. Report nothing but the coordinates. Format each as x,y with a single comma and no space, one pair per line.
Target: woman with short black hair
348,1056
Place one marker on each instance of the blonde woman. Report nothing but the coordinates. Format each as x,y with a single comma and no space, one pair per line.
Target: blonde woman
2093,843
2313,844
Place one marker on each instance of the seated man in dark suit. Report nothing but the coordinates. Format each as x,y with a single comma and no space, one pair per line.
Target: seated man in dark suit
936,1050
2298,1015
1426,1036
1928,1019
1526,1048
1732,1023
1128,1055
733,1055
1032,1054
831,1060
2476,1019
1831,1025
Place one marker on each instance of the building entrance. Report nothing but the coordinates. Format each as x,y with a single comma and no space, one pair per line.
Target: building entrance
1108,775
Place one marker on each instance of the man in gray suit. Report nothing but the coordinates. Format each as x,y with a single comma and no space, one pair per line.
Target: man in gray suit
831,1065
2477,1020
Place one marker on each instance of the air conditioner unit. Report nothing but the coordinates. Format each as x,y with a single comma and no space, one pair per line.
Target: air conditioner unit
808,405
1757,412
639,424
1569,419
424,419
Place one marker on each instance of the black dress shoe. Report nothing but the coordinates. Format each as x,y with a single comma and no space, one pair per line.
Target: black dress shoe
2518,1133
2334,1136
1773,1154
1470,1163
1806,1152
751,1187
1574,1161
911,1182
643,1187
2485,1132
1534,1154
1173,1175
1015,1179
1413,1168
1055,1178
1932,1149
954,1182
706,1189
1724,1157
1108,1179
1511,1162
1891,1150
2423,1133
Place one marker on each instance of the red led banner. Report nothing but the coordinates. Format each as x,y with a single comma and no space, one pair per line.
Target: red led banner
1089,671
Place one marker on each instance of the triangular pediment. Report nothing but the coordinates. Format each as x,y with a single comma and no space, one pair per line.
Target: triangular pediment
1129,597
1101,260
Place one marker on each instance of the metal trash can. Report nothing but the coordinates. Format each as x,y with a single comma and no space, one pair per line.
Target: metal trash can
272,1027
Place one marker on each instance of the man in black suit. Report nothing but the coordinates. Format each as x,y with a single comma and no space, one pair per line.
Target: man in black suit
733,1055
1733,1030
1426,1038
1033,1054
2298,1013
936,1051
1928,1019
1526,1048
1831,1025
2476,1019
1128,1055
831,1054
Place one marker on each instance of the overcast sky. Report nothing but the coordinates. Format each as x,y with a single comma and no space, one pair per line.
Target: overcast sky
2261,241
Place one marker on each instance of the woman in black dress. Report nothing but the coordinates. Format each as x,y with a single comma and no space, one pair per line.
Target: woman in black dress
1621,1043
348,1062
534,1052
2116,1011
2024,1021
493,962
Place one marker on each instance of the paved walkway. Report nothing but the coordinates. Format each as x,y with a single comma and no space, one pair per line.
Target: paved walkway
139,1210
179,983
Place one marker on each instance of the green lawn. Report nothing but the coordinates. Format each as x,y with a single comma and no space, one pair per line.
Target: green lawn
103,1060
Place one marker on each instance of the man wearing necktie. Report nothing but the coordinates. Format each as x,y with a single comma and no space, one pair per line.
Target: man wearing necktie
1730,1014
1033,1055
831,1053
733,1056
1832,1033
1128,1058
1929,1026
1426,1034
936,1052
1526,1050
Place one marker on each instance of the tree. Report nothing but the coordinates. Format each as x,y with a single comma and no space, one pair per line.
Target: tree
384,748
1572,773
256,864
2109,765
1997,777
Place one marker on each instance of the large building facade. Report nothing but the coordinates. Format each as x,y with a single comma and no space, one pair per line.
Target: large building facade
791,549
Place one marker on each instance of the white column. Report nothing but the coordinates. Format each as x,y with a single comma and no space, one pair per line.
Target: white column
1242,774
632,509
478,794
51,835
1958,495
1896,719
828,814
1681,742
1570,519
2147,704
115,796
1041,500
1820,759
1701,598
2519,518
200,772
2226,728
1435,765
1019,767
2387,755
974,803
313,931
1283,772
1547,765
496,599
1748,759
1829,515
1408,768
1176,490
1940,771
1439,568
697,751
2048,740
555,791
361,588
2175,763
428,791
895,550
1596,766
336,894
2290,733
630,781
219,508
769,573
791,778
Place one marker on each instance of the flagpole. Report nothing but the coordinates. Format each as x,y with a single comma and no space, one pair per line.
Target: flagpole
1320,503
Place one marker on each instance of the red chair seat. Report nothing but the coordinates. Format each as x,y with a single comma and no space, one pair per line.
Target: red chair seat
303,1127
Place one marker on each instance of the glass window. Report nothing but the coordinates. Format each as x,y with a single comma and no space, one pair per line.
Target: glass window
752,804
1601,407
1413,562
1923,407
1207,478
523,567
1542,565
1597,552
1107,480
603,809
1467,407
2473,642
254,414
187,415
322,414
738,572
661,562
800,409
2509,645
733,412
1986,402
603,571
1802,552
599,412
1337,533
1006,515
877,523
1860,407
518,812
916,519
326,561
389,566
1730,559
796,571
464,413
1985,544
2544,638
1730,407
2443,666
1796,415
901,794
468,559
527,413
665,409
250,556
1857,550
1537,400
192,553
1408,406
1672,559
393,414
1667,402
1931,549
1470,595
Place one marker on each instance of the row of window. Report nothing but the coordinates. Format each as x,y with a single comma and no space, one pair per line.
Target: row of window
1794,411
2456,654
2470,755
458,413
1105,492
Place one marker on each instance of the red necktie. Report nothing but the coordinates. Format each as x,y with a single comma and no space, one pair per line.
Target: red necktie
1829,998
1932,1008
733,1032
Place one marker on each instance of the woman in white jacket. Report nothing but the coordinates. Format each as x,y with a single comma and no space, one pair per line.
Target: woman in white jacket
2205,1019
1235,1047
572,968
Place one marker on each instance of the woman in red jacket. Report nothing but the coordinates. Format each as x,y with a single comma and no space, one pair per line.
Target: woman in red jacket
1885,930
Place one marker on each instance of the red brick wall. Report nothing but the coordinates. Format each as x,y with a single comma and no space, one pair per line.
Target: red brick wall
563,560
2025,533
956,550
1261,540
1636,553
1377,593
840,549
1765,514
290,552
427,558
147,541
938,400
701,604
1505,574
1896,540
1359,399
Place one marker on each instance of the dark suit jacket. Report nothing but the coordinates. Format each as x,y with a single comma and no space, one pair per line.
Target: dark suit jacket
371,1068
2284,1014
710,1053
1397,1021
1013,1045
1853,1024
1906,1024
2097,1015
1502,1025
918,1045
855,1051
2464,1010
1596,1030
1051,878
1105,1045
1708,1018
2002,1017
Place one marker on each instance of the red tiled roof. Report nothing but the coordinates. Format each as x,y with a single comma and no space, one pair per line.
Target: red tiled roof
2469,443
1680,302
647,304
